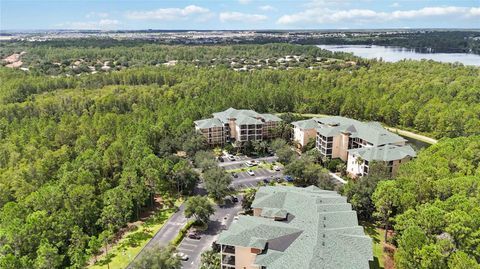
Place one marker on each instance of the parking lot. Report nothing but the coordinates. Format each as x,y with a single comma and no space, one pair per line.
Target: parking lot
193,248
244,180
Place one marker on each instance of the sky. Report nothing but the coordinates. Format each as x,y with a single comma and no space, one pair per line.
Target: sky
237,14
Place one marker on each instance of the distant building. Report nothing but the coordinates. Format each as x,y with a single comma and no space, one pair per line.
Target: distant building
237,125
294,227
357,143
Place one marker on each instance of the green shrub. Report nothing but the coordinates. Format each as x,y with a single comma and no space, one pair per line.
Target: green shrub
182,233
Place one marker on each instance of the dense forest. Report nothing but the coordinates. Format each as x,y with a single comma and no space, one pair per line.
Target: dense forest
435,206
80,156
67,57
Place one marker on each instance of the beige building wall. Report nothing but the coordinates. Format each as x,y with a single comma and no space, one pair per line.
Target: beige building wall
245,258
233,128
302,136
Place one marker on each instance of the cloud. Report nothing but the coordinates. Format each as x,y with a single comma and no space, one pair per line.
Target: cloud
97,15
241,17
244,2
103,24
395,5
326,15
171,14
267,8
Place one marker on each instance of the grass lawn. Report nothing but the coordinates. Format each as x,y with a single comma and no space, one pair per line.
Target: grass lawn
120,255
377,236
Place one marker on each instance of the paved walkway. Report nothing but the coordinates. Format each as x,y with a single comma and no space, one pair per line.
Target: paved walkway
334,176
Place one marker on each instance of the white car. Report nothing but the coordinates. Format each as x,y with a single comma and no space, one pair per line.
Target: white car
182,256
250,172
276,168
231,157
250,163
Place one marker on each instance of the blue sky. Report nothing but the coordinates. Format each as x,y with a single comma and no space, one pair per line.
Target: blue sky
238,14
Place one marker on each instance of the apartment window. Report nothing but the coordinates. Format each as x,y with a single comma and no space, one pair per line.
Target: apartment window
330,139
259,126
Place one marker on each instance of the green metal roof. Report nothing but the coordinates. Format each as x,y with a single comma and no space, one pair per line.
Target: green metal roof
244,116
270,117
384,153
306,124
372,132
208,123
321,230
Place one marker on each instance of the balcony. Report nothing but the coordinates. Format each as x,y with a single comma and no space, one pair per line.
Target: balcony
228,249
227,259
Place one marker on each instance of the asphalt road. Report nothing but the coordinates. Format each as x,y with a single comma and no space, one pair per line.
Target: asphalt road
167,233
194,248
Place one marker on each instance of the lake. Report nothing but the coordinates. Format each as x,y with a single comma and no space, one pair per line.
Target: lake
395,54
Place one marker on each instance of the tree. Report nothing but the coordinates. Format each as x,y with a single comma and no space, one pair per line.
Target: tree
408,246
460,260
277,144
285,154
385,199
200,208
94,246
47,256
210,260
307,173
117,208
184,178
260,147
217,182
205,160
193,143
158,258
248,198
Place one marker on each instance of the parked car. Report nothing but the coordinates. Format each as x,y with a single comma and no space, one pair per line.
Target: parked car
182,256
250,172
276,168
266,181
231,157
235,199
234,175
289,178
235,218
194,235
251,163
220,159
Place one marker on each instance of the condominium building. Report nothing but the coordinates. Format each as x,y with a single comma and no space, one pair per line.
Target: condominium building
340,137
294,227
237,125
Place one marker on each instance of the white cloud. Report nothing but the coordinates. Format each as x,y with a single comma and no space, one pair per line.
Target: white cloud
395,4
170,14
103,24
244,2
241,17
325,15
97,15
267,8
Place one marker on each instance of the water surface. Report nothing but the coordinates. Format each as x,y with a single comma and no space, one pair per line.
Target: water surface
395,54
